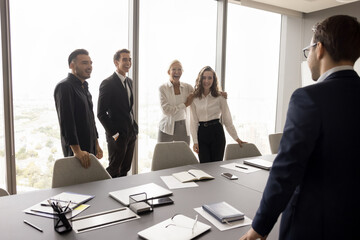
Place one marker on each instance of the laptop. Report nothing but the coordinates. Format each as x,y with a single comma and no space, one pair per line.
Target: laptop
152,190
259,163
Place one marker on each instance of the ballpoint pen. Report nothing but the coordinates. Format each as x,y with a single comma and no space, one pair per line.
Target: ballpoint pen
241,167
32,225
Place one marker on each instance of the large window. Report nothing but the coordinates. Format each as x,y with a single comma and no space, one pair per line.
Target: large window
176,29
252,62
44,33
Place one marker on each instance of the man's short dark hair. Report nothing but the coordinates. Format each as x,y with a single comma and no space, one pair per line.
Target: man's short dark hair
75,53
340,35
118,54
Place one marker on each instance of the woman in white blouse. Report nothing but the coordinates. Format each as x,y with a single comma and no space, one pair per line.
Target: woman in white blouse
175,97
206,110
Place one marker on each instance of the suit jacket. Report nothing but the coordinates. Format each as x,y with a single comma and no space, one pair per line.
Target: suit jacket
316,175
113,107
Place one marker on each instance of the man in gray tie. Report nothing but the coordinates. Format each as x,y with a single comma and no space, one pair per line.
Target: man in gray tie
115,112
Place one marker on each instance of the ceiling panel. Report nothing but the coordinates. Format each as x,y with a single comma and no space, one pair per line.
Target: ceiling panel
305,6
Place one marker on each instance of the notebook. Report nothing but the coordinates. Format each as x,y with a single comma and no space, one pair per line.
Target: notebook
192,175
260,163
152,190
223,212
179,227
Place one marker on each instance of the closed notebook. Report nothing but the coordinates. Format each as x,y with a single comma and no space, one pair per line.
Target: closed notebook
223,212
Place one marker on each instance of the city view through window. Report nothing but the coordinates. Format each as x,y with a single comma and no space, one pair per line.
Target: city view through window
42,37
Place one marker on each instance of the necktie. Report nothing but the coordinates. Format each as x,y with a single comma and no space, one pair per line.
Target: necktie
127,88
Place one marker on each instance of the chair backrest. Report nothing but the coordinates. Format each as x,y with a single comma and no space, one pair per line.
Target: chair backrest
3,192
172,154
69,171
274,140
234,151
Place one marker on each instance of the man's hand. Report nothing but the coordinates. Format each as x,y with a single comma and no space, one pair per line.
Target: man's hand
240,142
252,235
83,156
196,148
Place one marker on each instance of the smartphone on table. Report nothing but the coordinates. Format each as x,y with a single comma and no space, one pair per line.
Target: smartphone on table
229,176
160,201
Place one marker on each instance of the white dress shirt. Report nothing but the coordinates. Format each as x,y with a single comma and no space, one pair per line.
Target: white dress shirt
332,70
170,108
209,108
122,78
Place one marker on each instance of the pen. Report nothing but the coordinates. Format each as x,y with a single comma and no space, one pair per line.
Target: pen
241,167
32,225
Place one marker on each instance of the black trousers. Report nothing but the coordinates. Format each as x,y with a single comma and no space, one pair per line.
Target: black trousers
211,143
120,154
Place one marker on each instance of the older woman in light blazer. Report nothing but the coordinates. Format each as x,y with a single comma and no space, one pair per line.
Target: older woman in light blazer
175,97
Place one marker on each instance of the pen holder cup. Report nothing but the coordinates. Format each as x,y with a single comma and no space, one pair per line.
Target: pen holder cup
62,222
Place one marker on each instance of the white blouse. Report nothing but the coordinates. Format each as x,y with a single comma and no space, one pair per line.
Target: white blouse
209,108
170,108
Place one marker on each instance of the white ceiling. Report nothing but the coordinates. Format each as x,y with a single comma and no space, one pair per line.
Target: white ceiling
304,6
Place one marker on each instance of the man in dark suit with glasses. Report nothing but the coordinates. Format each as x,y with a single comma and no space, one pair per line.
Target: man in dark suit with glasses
316,174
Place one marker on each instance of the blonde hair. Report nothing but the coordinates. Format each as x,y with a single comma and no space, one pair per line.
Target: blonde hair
174,62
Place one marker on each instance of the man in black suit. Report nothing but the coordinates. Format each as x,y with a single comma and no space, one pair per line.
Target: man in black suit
74,107
316,174
115,112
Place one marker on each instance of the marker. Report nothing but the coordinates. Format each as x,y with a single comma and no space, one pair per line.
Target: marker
241,167
32,225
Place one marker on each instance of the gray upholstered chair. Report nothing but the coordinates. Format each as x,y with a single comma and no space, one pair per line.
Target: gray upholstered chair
68,171
234,151
274,140
172,154
3,192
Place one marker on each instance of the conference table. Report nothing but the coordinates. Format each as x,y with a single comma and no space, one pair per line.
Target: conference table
243,194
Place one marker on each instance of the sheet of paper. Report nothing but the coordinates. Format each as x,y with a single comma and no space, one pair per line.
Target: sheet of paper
172,183
241,167
223,226
50,214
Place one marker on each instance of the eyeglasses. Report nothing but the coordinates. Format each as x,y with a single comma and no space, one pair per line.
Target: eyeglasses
175,225
307,49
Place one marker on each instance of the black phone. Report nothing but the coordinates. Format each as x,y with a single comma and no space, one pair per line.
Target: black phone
160,201
229,176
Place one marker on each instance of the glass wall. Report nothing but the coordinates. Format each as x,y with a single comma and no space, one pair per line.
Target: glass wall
169,30
253,41
43,34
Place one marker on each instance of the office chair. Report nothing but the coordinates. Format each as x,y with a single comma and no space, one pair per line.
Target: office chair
3,192
69,171
234,151
274,140
172,154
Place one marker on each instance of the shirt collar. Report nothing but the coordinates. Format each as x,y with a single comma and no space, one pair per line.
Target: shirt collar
333,70
77,81
122,78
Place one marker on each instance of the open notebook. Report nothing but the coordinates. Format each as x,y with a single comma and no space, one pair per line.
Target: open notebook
179,227
192,175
